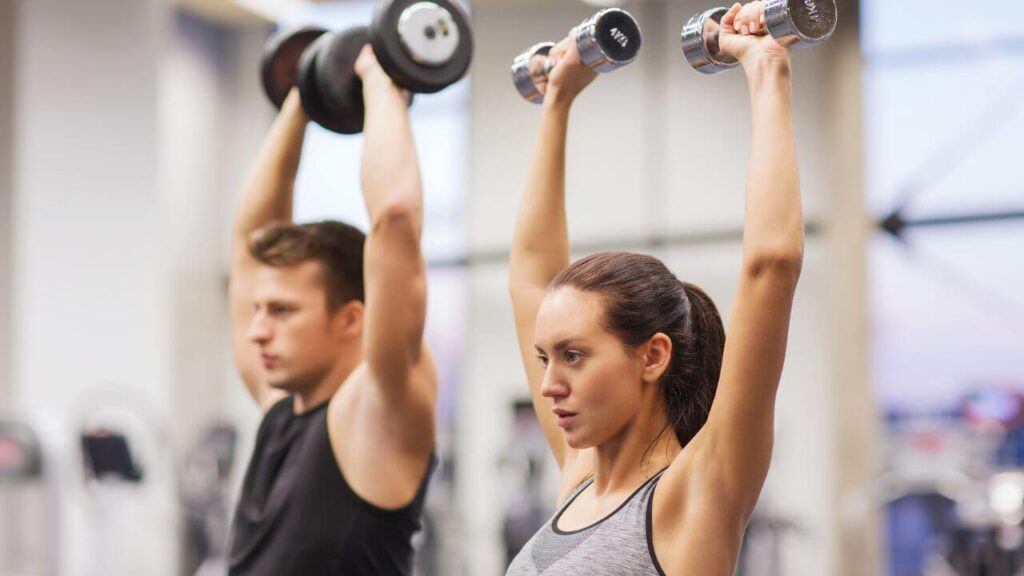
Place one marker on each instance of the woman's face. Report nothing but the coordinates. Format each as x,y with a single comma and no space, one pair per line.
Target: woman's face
593,380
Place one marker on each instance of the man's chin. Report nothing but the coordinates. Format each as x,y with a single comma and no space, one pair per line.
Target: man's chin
282,385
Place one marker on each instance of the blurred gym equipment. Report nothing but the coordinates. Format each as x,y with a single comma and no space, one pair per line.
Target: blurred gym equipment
30,498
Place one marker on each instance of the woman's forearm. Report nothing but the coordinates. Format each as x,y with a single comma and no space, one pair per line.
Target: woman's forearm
540,244
773,228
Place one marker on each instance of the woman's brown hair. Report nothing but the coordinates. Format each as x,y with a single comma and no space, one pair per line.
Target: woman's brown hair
641,298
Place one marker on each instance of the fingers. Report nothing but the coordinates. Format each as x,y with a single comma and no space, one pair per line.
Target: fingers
562,50
729,20
557,53
553,59
749,19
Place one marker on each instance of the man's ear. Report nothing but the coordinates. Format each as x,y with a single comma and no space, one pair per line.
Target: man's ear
347,320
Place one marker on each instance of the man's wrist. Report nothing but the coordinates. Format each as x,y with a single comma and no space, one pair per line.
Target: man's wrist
292,104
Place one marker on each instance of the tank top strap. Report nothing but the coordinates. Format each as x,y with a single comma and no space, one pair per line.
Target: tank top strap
635,509
638,498
575,493
648,489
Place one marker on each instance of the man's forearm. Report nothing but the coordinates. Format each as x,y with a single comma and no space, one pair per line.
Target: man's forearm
268,189
390,170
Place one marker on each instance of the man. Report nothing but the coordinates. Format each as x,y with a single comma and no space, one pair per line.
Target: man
348,387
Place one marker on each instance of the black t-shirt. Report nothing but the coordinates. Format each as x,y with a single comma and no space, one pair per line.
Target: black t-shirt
298,515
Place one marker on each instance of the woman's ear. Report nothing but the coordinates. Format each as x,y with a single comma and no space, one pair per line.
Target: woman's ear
657,354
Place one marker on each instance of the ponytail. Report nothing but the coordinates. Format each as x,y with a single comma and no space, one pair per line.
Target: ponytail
690,383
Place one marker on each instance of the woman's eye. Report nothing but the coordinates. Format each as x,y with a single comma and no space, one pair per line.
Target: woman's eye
572,356
543,360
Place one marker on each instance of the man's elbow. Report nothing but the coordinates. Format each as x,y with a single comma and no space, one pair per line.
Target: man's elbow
399,215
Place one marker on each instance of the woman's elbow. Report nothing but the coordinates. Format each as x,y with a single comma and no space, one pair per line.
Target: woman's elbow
784,261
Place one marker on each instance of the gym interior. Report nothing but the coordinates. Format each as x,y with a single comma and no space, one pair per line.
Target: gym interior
127,128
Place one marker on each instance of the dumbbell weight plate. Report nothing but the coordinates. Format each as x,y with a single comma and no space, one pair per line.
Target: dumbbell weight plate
279,63
809,21
424,46
700,42
529,68
312,101
339,87
608,40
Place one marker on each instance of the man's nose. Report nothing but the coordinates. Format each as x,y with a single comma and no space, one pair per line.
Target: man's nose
259,331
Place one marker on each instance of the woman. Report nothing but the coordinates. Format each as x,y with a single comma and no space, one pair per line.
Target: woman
624,360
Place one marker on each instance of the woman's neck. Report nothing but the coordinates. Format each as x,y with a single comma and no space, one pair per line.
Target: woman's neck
644,447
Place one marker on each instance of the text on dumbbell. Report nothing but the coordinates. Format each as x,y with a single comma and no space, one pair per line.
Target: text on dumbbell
619,37
812,10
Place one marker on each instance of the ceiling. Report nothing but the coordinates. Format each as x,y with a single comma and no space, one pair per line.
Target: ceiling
241,12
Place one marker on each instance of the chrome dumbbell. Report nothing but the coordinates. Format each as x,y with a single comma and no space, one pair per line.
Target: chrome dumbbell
606,41
801,22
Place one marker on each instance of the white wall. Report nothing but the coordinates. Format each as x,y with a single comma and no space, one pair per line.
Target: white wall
90,291
89,285
212,116
655,150
6,191
190,117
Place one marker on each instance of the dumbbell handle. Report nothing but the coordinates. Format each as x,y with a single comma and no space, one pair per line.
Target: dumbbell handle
795,22
606,41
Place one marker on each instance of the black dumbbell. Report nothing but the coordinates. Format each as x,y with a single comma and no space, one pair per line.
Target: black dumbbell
279,64
606,41
423,45
331,92
802,22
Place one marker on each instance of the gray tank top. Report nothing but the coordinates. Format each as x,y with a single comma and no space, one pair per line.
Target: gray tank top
617,545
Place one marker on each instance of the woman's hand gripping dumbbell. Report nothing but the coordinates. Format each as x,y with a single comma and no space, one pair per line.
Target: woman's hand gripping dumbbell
604,42
791,23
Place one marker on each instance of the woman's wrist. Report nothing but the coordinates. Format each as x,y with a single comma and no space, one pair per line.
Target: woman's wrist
556,102
767,69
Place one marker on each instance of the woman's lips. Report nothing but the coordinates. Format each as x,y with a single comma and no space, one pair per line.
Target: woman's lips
565,418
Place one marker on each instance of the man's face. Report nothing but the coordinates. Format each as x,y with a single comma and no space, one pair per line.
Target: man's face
299,341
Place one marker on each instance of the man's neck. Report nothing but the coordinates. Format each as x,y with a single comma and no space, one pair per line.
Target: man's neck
316,396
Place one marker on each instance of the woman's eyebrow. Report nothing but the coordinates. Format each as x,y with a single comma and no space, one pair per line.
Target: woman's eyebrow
560,345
